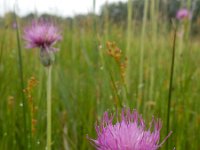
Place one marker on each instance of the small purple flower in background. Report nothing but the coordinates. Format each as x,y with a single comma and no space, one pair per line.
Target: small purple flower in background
44,35
129,133
14,25
182,14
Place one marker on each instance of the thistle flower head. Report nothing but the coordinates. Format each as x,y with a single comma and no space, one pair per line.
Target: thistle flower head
182,14
129,133
41,34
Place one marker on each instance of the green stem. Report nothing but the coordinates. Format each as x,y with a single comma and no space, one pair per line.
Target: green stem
153,51
21,76
140,90
2,45
170,86
128,44
94,18
106,20
115,91
49,108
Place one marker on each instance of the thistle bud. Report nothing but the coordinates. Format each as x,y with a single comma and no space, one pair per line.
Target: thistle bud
47,57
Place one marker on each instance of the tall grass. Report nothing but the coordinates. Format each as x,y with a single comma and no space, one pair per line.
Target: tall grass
170,85
21,78
129,38
142,47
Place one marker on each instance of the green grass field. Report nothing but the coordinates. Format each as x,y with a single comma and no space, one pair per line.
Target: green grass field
86,81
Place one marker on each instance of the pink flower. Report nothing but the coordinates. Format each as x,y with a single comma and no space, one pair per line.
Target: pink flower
14,25
41,34
182,14
129,133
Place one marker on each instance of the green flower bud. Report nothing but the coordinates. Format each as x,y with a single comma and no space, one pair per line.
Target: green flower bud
47,57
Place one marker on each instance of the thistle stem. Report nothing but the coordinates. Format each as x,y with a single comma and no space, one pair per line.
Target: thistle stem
49,108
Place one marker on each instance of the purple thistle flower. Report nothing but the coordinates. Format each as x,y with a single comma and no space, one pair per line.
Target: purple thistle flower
44,35
14,25
41,34
182,14
128,134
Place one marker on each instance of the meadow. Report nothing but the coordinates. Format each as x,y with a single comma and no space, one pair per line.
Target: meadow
87,81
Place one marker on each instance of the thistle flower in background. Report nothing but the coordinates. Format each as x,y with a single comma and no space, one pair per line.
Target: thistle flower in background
14,25
43,35
182,14
129,133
